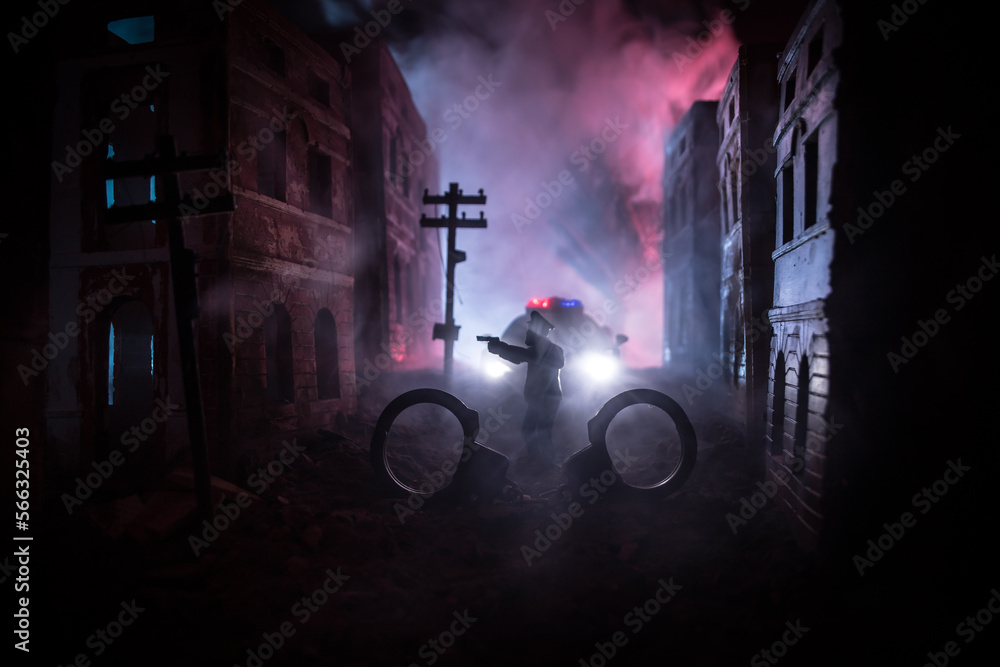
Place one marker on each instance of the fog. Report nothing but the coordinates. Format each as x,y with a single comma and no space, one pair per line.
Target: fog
559,112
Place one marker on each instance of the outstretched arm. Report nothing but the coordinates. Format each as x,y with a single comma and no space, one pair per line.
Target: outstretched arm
511,353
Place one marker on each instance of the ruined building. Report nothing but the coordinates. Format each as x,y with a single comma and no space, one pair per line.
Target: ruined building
267,112
860,264
799,369
398,279
691,232
746,117
829,259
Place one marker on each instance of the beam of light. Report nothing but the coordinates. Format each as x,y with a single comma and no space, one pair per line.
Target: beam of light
600,367
495,369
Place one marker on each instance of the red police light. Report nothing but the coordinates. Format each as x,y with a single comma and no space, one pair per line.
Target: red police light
538,303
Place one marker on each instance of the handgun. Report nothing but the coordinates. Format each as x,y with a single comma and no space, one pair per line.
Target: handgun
487,339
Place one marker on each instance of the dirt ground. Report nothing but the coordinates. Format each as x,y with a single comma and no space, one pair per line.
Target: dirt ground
624,582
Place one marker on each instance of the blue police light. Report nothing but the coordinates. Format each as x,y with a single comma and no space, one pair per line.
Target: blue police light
570,303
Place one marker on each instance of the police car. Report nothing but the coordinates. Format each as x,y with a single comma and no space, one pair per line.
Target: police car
591,350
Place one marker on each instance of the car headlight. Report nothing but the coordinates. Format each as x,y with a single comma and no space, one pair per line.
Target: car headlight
599,367
495,368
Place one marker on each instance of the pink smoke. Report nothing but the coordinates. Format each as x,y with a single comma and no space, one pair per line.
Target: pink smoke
559,90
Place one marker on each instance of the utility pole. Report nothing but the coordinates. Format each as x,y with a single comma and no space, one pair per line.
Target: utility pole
447,331
166,166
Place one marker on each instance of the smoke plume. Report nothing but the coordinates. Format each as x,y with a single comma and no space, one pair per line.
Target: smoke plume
560,112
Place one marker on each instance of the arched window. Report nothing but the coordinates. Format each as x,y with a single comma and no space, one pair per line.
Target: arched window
130,354
278,355
738,336
327,357
129,395
801,416
778,406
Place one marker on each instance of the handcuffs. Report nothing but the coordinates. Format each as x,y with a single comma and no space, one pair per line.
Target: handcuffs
481,474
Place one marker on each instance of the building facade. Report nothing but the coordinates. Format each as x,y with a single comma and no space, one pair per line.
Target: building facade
399,283
860,261
798,407
292,231
746,118
274,271
691,240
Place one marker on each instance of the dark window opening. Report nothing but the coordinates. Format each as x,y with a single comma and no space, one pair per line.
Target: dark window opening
130,353
811,156
271,163
801,417
278,356
274,56
734,196
320,184
327,359
778,406
127,356
130,369
815,51
788,91
724,192
787,204
132,191
135,30
319,88
129,191
732,110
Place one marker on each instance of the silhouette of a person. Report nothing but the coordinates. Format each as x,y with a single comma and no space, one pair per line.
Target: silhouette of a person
542,389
